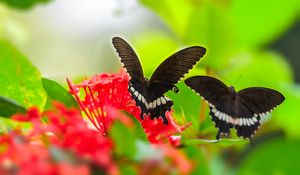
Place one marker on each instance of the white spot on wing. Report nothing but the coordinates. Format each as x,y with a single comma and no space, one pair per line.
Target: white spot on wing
154,103
163,101
254,119
158,101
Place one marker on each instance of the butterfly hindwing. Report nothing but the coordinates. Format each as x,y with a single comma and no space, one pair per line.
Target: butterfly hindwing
223,126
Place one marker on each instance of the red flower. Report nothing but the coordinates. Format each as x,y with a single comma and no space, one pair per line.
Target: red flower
64,130
106,93
103,95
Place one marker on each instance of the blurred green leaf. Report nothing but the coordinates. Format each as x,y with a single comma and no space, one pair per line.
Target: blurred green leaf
150,51
210,26
23,4
137,128
257,69
199,160
287,114
174,12
19,79
58,93
272,158
259,22
187,108
9,107
125,143
7,125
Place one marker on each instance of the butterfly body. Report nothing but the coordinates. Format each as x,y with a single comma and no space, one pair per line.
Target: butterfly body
241,110
149,94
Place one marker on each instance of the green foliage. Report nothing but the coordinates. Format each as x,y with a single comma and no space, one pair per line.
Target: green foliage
199,159
259,22
150,51
257,69
58,93
137,128
23,4
287,115
124,140
7,125
9,107
273,157
20,80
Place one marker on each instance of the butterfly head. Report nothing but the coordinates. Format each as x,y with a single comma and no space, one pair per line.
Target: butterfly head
231,88
147,81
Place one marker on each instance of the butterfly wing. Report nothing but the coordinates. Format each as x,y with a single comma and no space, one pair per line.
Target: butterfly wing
260,100
170,71
129,59
220,100
252,104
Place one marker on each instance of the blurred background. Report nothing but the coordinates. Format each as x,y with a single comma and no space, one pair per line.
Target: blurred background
249,43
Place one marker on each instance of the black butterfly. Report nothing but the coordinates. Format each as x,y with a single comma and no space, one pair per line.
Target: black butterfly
241,110
148,94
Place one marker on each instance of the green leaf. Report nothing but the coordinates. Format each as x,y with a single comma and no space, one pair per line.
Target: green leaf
58,93
9,107
148,47
19,79
274,157
287,114
198,158
210,26
257,69
174,12
259,22
137,128
125,143
23,4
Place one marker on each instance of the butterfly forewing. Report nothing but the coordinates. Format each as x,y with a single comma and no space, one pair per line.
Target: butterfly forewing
260,100
129,59
209,88
177,65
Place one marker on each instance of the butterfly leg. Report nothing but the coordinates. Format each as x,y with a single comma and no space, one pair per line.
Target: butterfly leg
218,135
251,142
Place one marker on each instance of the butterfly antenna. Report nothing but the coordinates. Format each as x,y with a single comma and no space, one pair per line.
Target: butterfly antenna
225,79
237,80
218,135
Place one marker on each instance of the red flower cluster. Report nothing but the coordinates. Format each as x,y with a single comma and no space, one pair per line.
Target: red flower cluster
104,94
61,142
47,148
